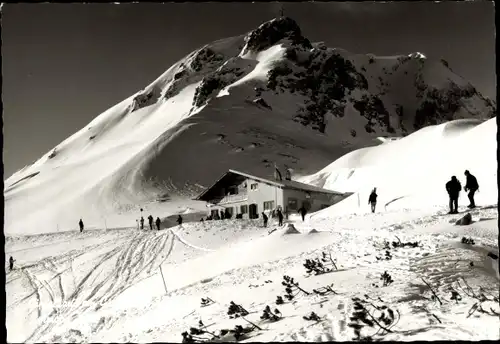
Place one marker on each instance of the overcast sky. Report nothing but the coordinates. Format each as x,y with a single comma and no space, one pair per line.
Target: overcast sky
64,64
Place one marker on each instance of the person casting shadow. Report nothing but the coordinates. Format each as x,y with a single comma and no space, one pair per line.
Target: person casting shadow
453,187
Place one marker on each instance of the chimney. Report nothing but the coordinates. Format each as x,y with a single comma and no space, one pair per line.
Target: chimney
288,174
277,173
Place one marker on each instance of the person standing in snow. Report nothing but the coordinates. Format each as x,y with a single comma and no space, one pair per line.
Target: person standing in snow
80,223
372,200
11,263
264,217
472,186
150,219
302,211
158,223
179,220
280,217
453,187
142,222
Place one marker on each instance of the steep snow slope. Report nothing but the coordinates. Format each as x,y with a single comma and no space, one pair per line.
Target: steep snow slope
411,172
246,102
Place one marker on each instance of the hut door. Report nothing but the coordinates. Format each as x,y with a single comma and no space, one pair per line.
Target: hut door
252,211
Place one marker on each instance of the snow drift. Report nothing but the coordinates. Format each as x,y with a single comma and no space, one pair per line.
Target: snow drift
411,172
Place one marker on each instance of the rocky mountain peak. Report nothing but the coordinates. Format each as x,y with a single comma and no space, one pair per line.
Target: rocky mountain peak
271,32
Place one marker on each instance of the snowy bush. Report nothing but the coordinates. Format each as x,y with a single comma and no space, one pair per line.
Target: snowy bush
468,241
320,266
369,315
270,315
312,317
206,302
292,288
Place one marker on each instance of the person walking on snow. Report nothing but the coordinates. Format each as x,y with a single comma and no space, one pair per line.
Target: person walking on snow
80,223
303,212
453,187
280,217
264,217
472,186
179,220
158,223
11,263
150,219
142,222
372,200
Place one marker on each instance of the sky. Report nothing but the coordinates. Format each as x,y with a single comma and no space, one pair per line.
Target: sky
64,64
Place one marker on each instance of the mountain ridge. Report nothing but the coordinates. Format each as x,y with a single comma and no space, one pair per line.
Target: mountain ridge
243,102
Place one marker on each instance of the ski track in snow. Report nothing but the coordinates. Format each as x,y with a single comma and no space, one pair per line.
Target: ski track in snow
131,258
104,272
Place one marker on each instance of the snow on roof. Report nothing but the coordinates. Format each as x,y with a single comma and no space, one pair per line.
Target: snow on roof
286,184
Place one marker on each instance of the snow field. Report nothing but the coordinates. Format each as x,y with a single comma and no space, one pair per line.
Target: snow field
117,293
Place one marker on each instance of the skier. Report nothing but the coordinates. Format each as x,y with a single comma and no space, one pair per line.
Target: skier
472,186
179,220
142,222
372,200
11,263
453,187
303,212
280,217
80,223
150,219
158,223
264,217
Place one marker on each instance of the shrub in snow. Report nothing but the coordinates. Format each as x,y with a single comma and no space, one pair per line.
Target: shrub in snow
367,314
270,315
196,334
292,288
322,266
399,243
468,241
484,299
434,296
386,279
236,311
312,317
455,296
238,332
279,300
325,290
206,302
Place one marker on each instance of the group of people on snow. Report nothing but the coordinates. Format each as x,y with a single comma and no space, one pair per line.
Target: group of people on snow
150,220
453,187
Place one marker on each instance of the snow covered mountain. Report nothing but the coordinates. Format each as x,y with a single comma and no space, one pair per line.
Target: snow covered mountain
244,102
411,172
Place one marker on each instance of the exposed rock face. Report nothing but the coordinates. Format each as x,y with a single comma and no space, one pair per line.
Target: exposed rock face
464,221
270,33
